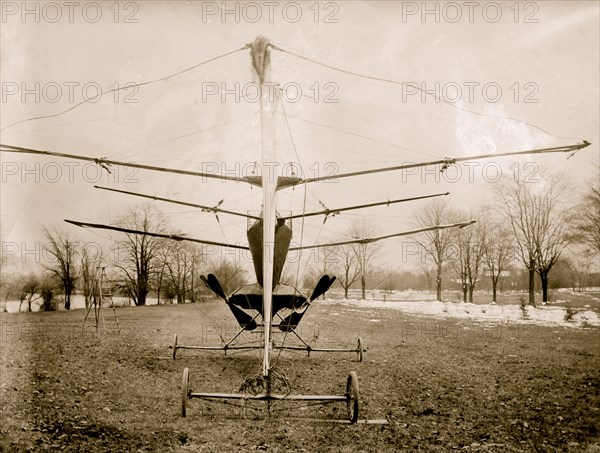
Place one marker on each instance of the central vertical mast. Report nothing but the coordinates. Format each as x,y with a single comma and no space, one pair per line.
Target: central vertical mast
261,63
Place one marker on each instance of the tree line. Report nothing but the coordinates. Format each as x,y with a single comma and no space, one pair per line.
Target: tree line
526,224
138,266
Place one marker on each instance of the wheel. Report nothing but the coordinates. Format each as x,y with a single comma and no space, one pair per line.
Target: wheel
359,350
185,390
352,394
175,347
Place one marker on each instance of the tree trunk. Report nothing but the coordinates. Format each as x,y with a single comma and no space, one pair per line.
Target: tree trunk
531,284
363,285
471,290
438,285
544,279
464,289
346,292
141,296
68,297
494,288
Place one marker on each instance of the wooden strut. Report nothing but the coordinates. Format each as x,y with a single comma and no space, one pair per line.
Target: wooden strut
359,350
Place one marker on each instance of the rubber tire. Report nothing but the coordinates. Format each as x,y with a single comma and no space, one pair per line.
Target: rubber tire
185,381
352,393
175,347
359,350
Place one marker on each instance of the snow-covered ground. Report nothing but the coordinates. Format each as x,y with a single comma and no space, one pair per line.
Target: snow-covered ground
546,315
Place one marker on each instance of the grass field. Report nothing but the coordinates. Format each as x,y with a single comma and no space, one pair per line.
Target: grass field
443,385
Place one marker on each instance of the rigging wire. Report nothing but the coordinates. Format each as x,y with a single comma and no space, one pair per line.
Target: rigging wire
351,133
336,104
128,86
435,96
285,116
216,126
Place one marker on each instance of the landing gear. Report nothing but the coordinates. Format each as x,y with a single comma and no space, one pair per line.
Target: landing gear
359,350
352,395
185,390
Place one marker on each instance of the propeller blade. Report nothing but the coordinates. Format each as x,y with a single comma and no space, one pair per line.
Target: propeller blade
203,278
322,286
215,286
290,322
244,319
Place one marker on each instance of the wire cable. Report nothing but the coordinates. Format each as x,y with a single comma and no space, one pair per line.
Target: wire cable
351,133
435,96
128,86
297,278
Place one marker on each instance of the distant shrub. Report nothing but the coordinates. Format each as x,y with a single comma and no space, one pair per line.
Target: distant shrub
569,313
47,293
523,304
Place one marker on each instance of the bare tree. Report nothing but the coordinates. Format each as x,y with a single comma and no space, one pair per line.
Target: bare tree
64,253
536,213
552,237
461,261
428,271
30,286
346,267
436,243
90,258
586,219
180,261
139,252
474,237
364,252
231,275
498,249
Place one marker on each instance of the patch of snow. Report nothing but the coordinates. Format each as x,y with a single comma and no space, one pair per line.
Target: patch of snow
548,316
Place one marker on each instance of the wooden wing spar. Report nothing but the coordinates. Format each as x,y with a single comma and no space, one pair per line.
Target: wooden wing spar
284,182
325,212
215,209
368,240
174,237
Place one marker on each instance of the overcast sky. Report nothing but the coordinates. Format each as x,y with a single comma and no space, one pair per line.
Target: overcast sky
536,62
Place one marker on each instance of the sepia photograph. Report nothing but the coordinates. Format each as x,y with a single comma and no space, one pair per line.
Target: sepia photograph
300,226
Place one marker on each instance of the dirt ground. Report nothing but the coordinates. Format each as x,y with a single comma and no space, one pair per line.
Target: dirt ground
442,385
